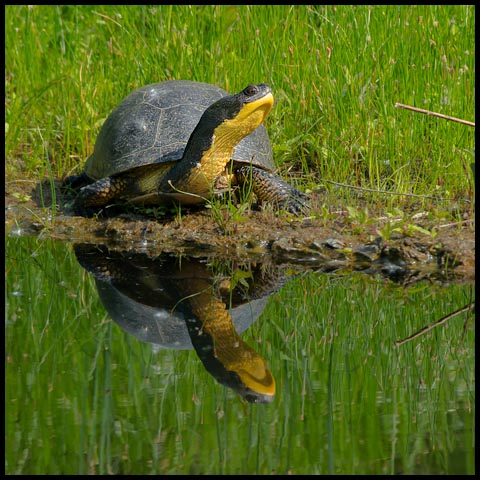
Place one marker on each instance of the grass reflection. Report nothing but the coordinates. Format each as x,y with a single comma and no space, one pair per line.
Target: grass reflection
82,396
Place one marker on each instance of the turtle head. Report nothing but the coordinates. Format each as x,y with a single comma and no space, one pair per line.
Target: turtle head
242,112
231,118
210,146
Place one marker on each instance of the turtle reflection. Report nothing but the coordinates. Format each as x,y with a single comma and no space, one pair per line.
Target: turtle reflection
181,303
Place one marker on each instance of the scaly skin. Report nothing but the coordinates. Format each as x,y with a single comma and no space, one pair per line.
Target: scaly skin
93,197
270,188
124,186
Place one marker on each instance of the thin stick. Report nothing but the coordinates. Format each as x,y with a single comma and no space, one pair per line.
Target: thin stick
372,190
436,324
434,114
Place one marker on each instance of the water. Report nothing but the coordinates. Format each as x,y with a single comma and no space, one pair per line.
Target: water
86,394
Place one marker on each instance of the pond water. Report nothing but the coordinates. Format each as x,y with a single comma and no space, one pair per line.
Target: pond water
115,365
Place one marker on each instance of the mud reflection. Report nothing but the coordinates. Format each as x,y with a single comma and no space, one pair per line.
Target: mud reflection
186,302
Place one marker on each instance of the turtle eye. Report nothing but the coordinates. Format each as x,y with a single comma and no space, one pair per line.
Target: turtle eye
251,90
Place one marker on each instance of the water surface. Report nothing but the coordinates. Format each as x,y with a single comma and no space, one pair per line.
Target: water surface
83,395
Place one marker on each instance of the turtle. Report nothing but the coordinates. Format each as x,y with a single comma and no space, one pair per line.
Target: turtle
183,141
184,303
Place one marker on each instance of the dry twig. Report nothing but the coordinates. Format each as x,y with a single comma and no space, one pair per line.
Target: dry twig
435,114
443,320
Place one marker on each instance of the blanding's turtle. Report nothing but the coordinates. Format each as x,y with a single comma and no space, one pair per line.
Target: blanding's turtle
183,141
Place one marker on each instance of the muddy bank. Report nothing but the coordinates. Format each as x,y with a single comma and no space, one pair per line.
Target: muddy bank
328,244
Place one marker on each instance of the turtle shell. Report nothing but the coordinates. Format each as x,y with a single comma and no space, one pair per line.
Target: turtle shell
164,325
153,125
142,294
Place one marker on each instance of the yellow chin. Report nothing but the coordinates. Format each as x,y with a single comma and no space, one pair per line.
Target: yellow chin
226,136
248,119
254,113
259,381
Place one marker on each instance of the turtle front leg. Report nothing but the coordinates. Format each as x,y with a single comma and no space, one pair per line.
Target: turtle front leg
270,188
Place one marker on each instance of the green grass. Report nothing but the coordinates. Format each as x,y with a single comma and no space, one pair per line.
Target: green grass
336,73
82,396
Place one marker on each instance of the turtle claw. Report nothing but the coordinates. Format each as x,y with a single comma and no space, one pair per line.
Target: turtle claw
296,203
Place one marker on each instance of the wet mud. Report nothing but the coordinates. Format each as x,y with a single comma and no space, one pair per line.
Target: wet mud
326,244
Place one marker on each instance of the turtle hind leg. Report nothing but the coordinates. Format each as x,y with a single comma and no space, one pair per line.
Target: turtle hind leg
137,185
270,188
92,198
